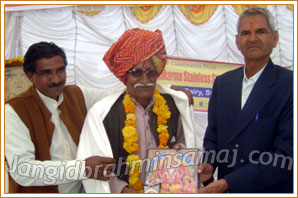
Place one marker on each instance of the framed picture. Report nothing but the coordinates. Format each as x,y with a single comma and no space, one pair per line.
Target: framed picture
175,171
16,80
152,188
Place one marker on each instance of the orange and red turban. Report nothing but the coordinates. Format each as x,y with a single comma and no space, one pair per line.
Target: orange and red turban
134,46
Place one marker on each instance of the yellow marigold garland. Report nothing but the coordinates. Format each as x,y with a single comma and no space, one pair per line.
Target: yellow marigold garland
161,109
129,132
15,60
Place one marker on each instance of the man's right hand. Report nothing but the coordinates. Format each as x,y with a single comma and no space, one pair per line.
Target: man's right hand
205,172
187,92
99,167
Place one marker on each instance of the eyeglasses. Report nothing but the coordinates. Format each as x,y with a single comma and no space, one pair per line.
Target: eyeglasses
139,72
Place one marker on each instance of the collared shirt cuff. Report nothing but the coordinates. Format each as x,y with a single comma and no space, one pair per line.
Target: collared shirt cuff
117,185
83,166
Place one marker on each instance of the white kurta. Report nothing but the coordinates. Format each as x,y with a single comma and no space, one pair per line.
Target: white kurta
20,151
94,139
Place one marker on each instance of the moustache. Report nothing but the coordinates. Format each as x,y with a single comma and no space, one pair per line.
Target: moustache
57,84
143,85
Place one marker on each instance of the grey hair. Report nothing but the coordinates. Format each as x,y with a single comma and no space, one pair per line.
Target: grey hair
258,10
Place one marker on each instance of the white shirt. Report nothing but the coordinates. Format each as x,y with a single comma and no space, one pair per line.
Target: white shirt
63,170
248,84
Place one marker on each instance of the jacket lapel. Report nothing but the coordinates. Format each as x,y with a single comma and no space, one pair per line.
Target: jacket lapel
234,95
259,96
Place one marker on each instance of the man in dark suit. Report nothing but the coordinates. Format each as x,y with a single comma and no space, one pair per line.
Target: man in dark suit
249,137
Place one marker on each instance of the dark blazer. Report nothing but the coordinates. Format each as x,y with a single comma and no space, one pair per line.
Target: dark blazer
253,146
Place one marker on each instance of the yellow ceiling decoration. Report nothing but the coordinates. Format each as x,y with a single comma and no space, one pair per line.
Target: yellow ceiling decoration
90,13
90,10
146,13
198,14
290,7
239,9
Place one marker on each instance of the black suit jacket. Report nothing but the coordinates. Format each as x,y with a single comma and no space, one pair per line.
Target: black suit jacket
254,146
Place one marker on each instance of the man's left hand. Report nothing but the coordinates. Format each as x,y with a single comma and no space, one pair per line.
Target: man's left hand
187,92
219,186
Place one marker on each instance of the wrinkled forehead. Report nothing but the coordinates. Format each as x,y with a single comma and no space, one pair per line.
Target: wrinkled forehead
49,63
255,21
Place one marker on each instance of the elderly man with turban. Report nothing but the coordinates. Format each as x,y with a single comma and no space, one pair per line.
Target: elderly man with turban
145,115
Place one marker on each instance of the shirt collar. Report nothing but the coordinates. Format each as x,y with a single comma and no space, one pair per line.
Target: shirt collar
50,101
255,77
151,103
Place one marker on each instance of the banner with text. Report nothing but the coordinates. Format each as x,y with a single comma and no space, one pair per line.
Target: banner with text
197,76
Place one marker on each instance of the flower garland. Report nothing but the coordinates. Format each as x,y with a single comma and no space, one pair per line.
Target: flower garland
161,109
15,60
